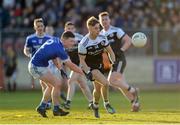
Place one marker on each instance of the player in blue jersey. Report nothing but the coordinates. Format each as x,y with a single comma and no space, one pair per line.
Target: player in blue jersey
50,31
75,77
35,40
38,68
33,43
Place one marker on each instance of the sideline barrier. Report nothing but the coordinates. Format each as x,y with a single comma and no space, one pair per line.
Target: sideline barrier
167,71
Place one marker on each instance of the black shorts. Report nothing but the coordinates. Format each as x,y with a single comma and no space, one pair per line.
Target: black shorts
9,71
119,65
98,67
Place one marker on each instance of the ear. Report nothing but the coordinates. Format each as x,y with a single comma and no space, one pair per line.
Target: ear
63,41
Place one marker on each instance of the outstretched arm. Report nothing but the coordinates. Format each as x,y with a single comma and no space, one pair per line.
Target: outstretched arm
73,67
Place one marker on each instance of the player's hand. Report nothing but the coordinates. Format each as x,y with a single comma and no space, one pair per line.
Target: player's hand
89,75
64,74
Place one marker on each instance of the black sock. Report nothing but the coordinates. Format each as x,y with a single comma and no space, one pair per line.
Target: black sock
90,102
68,102
129,88
132,101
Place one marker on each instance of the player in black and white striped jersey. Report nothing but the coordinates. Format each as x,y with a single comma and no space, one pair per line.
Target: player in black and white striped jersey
119,42
90,51
75,77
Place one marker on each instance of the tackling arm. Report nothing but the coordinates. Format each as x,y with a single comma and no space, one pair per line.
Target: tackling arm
73,67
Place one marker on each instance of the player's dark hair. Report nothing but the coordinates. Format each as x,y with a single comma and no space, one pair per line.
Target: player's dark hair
105,13
67,34
69,23
38,20
92,21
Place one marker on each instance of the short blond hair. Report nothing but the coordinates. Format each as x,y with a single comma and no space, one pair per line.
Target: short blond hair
38,20
92,21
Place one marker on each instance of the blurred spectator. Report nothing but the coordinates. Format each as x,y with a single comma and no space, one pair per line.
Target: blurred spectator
126,13
10,68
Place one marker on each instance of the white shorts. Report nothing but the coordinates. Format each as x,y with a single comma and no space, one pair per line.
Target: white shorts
37,71
53,69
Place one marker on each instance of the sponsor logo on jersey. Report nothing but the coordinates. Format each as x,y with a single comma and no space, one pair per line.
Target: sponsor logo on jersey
111,35
33,41
40,41
103,43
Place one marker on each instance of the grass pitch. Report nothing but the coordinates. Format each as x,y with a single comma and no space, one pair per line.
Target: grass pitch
157,107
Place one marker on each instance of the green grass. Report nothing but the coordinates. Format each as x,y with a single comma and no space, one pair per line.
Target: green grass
157,107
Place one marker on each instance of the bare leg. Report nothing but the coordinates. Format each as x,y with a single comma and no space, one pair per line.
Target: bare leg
71,87
96,92
118,80
85,88
56,83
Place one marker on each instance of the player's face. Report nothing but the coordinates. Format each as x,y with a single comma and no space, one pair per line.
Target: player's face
70,28
105,21
95,29
69,43
39,27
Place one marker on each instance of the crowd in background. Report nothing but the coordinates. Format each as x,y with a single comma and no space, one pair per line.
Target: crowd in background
124,13
128,14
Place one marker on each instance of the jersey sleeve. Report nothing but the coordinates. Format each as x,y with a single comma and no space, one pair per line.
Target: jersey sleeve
82,49
80,36
27,43
120,33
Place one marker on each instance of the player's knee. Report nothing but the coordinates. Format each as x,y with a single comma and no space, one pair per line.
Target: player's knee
115,76
57,84
112,79
97,91
82,85
49,88
43,88
72,81
106,85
